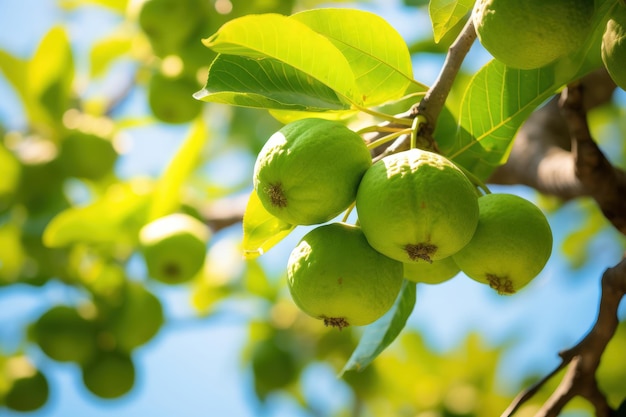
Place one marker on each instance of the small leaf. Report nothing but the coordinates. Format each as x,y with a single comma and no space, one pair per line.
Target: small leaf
292,43
167,194
376,52
51,73
380,334
266,83
106,52
261,230
445,14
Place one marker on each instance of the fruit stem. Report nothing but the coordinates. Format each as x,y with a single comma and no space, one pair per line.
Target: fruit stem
474,180
347,213
388,138
418,121
384,116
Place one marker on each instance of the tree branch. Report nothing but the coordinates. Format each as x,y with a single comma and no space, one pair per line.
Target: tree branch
583,359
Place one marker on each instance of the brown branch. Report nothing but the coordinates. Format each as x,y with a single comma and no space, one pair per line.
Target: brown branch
582,360
554,152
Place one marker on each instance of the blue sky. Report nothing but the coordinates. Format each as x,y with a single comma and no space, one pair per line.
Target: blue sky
193,366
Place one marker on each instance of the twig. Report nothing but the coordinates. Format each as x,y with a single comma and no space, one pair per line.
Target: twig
583,359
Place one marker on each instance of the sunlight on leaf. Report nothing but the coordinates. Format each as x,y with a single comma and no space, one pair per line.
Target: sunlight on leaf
266,83
105,52
290,42
167,194
445,14
261,230
376,52
380,334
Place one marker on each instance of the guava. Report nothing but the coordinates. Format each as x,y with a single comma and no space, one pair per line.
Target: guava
528,34
64,335
434,272
174,247
273,366
308,172
109,374
614,46
416,206
171,98
29,389
334,275
137,319
512,243
85,155
169,23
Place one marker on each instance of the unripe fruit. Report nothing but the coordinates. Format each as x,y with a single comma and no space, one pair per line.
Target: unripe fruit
614,46
109,375
64,335
528,34
308,172
512,243
334,275
29,389
174,247
171,98
417,206
431,273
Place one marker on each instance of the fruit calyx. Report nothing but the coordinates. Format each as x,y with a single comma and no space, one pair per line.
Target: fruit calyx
503,285
277,195
338,322
422,251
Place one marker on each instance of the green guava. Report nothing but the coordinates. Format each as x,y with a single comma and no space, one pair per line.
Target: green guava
29,389
334,275
308,172
512,243
84,155
417,206
614,46
528,34
434,272
137,319
171,98
64,335
109,374
174,247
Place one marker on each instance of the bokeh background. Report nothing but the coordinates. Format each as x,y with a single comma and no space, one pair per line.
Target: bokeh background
465,348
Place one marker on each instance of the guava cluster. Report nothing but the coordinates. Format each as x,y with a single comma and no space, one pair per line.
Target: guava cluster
419,218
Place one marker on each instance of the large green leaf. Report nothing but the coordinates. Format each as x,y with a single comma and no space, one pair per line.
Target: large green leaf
292,43
445,14
266,83
376,52
381,333
499,99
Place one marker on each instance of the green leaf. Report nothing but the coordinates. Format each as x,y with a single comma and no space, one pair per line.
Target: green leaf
105,52
51,73
167,194
445,14
380,334
266,83
376,52
292,43
115,218
261,230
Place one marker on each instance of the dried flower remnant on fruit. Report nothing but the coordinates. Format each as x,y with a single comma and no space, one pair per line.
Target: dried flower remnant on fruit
502,285
423,251
338,322
276,195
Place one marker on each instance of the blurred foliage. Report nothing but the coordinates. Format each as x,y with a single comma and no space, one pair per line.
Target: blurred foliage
67,216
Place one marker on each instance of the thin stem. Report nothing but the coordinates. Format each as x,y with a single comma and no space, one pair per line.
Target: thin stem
388,138
385,116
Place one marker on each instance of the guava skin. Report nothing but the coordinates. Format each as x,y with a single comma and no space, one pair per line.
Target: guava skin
529,34
334,275
511,245
174,247
432,273
308,172
614,46
416,206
